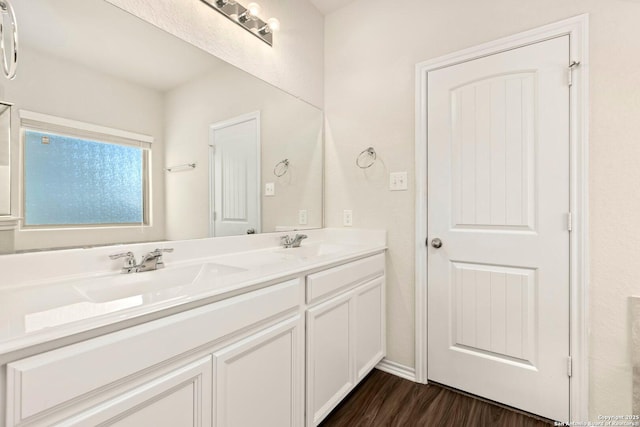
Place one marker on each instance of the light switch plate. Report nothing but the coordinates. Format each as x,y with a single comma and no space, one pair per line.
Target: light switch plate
269,189
302,217
347,219
398,181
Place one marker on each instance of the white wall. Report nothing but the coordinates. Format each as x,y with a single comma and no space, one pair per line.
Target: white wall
7,241
290,128
371,50
295,61
5,160
57,87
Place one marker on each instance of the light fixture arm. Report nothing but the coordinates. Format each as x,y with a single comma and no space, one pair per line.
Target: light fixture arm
246,17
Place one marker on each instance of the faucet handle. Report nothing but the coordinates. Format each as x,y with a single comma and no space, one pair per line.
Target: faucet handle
129,262
160,251
128,255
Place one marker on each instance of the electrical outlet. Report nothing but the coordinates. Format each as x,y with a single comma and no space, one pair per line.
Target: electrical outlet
398,181
269,189
302,217
347,219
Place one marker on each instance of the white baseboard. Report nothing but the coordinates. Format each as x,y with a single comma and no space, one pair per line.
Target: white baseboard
397,369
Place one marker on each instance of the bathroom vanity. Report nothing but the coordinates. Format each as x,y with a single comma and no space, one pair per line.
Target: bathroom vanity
245,334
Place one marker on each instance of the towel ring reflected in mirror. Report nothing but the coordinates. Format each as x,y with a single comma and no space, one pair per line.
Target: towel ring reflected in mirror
10,64
281,168
366,158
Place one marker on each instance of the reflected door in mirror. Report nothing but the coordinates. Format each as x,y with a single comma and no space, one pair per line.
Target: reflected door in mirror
234,166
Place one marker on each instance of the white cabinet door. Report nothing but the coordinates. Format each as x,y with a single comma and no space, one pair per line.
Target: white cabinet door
330,356
345,341
181,397
370,326
260,379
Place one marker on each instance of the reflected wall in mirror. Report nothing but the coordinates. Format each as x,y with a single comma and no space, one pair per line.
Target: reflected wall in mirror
123,133
5,159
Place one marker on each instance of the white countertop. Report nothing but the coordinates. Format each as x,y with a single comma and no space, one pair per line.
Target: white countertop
46,307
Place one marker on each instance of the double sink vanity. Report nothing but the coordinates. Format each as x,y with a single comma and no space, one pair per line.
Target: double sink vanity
233,331
117,131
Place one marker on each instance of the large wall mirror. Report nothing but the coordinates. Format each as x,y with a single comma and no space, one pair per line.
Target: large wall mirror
124,133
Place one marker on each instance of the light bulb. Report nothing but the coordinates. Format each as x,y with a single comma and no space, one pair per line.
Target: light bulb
253,10
274,24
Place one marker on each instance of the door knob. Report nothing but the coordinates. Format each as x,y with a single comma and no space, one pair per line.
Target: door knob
436,243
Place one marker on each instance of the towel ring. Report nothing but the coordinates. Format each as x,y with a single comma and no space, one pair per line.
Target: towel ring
366,158
9,67
281,168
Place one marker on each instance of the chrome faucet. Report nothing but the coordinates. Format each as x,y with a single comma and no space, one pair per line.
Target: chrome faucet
129,265
288,242
151,261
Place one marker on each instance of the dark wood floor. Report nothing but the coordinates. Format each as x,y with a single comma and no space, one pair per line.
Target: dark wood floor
385,400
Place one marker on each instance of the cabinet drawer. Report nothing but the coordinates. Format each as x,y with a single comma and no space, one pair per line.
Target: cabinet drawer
180,397
40,383
328,282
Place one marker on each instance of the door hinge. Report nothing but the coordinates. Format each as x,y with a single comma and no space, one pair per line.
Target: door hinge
569,366
569,221
572,66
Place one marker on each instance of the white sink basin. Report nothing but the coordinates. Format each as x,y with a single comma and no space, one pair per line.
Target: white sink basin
265,259
255,259
158,284
171,282
312,250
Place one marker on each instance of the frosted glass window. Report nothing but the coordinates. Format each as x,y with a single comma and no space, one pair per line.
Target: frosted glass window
74,181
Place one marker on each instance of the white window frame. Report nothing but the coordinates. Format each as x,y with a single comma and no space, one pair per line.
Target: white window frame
33,121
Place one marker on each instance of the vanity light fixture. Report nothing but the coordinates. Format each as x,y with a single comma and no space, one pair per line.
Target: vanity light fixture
251,13
247,18
271,26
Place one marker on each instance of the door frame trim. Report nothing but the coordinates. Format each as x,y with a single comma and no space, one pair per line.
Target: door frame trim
255,115
577,28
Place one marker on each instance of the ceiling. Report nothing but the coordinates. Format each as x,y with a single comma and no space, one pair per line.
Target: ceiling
328,6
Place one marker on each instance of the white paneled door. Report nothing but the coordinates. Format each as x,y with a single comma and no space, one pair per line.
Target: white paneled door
234,173
498,221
